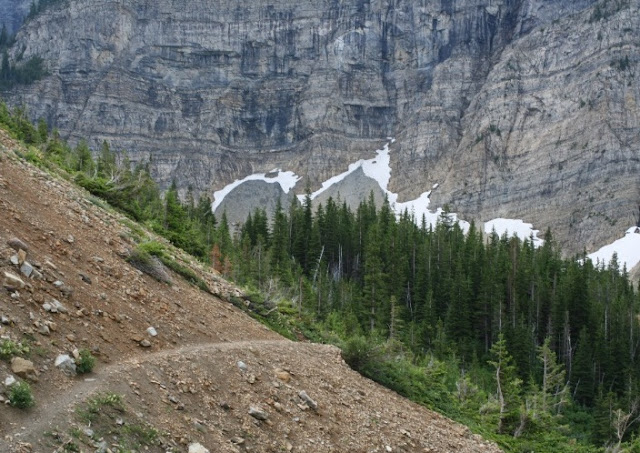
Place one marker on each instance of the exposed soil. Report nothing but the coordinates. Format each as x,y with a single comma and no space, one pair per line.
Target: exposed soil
188,383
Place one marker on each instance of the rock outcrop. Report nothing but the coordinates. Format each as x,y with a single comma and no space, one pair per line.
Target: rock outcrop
518,108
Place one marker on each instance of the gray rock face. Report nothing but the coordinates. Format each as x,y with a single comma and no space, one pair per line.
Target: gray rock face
518,108
353,189
12,13
251,195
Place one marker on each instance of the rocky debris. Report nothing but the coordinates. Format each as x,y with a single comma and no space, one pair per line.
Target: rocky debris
308,401
242,366
54,306
85,278
23,368
145,343
65,363
12,282
257,413
17,244
152,331
197,448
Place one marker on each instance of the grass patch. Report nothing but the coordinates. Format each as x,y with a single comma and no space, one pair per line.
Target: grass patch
108,417
10,349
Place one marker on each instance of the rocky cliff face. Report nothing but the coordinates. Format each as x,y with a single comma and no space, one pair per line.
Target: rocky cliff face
519,108
12,13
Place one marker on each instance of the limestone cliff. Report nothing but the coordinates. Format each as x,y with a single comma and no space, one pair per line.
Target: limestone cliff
519,108
12,13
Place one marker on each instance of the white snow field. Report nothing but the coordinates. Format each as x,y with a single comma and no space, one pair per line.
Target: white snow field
513,227
627,248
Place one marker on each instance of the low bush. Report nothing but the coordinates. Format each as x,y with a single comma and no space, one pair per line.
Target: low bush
20,395
86,362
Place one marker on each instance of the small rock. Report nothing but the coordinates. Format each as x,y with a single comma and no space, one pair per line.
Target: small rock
152,331
66,290
15,260
26,269
71,338
388,449
251,379
237,440
58,283
85,278
48,307
258,413
58,306
145,343
22,367
12,282
44,330
51,265
119,422
17,245
88,432
66,364
243,366
197,448
70,239
307,399
224,405
284,376
15,296
5,320
9,381
22,256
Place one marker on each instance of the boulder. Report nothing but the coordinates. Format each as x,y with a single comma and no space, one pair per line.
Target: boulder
66,364
22,367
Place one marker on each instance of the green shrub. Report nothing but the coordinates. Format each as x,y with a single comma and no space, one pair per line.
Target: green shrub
359,352
9,349
86,362
20,395
150,265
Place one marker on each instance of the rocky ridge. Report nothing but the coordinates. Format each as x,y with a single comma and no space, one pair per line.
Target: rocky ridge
189,364
517,108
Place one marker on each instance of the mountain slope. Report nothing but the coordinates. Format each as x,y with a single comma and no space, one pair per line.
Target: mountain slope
188,383
518,109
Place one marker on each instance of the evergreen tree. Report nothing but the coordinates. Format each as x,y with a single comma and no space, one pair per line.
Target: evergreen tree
508,386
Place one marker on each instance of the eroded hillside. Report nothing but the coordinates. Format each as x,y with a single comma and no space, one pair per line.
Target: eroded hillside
196,380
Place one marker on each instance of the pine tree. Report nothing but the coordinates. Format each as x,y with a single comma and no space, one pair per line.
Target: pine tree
508,386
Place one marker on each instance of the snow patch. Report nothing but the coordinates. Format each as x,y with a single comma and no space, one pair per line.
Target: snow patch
627,248
513,227
286,179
